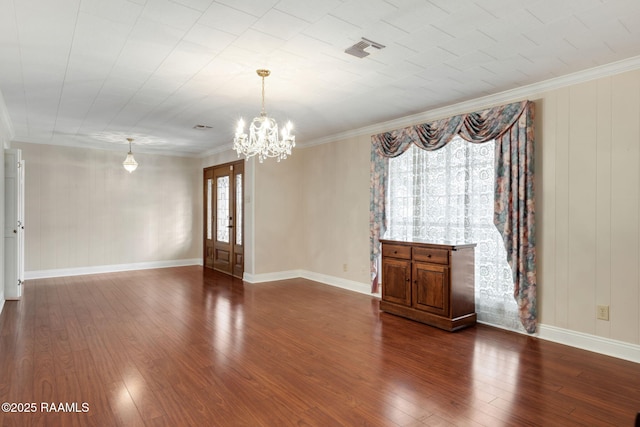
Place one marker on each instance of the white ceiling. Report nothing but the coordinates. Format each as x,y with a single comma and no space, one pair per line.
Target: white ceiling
94,72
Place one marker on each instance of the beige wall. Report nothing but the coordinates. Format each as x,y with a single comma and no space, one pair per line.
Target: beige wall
84,210
311,211
588,186
335,208
279,242
274,242
588,206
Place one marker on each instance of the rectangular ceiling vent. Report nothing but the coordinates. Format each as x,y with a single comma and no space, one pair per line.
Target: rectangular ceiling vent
359,49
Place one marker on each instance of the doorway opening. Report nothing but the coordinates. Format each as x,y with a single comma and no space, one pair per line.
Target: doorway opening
224,218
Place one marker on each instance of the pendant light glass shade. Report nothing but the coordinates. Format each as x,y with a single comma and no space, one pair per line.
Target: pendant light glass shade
130,163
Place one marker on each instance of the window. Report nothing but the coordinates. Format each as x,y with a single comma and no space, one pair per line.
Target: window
447,195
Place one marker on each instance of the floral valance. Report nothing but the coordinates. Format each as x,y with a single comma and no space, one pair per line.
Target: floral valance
476,127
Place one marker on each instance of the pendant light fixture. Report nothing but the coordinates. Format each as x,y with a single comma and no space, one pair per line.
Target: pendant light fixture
263,139
130,163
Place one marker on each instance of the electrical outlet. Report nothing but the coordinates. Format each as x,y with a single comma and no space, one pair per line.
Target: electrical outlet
345,267
603,312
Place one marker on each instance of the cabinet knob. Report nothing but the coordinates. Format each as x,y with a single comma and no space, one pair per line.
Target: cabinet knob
395,252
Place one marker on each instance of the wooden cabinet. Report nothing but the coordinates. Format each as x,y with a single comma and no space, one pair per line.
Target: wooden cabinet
428,282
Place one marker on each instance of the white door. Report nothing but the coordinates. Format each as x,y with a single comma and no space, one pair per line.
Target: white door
14,224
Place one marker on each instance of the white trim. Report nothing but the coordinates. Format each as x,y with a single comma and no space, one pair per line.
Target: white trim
338,282
606,346
493,325
351,285
75,141
217,150
79,271
250,214
476,104
1,305
271,277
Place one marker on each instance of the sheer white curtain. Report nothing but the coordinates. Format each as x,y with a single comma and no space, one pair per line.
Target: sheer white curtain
446,195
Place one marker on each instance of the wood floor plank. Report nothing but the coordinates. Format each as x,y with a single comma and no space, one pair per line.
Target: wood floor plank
188,346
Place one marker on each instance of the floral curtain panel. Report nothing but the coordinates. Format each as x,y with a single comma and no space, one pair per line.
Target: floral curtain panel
512,127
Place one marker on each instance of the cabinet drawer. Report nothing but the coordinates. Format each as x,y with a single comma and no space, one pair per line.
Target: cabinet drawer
396,251
438,256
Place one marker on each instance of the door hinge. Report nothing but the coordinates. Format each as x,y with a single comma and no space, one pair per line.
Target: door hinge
20,282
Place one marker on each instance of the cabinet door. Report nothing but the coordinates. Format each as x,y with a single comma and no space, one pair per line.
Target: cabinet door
396,281
431,288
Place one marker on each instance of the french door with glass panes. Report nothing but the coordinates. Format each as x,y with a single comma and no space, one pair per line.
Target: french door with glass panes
223,218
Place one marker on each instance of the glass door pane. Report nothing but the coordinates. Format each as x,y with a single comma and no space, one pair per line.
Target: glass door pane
239,209
222,214
209,209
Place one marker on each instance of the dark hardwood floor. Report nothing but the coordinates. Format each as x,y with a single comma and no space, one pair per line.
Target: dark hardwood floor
192,347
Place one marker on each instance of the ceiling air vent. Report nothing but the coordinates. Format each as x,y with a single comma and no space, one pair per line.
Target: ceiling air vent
359,49
202,127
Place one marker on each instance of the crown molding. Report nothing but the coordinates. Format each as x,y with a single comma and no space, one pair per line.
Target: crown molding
217,150
72,143
7,131
476,104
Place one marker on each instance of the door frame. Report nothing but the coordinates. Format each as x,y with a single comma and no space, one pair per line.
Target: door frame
14,180
236,251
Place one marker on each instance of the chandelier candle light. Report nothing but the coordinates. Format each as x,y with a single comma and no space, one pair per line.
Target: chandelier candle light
263,135
130,163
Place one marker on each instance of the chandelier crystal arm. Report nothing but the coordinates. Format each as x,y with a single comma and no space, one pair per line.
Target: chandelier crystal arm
263,139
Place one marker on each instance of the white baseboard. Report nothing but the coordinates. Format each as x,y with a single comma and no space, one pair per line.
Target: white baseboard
79,271
363,288
338,282
271,277
606,346
1,304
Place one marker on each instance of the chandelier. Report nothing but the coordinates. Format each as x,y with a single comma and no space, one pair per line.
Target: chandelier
263,139
130,163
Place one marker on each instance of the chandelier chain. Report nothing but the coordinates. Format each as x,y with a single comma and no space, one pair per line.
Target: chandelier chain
130,163
264,112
